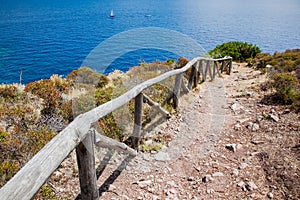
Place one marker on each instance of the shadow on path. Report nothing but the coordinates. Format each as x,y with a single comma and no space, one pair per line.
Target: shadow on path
105,186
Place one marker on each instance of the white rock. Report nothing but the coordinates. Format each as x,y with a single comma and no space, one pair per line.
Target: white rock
233,147
274,117
259,118
217,174
241,184
235,172
270,195
162,156
145,183
210,191
234,107
243,165
253,126
237,127
251,186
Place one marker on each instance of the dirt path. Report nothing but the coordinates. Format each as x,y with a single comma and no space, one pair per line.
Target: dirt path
221,148
175,171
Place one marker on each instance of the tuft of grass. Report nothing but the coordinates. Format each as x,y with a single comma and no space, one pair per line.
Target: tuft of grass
151,147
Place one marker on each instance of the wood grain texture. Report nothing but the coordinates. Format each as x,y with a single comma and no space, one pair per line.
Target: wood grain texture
106,142
156,105
138,116
86,167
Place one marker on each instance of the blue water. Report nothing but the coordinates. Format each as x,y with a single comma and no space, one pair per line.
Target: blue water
42,37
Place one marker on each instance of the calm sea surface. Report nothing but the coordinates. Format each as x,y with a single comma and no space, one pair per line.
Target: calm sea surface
42,37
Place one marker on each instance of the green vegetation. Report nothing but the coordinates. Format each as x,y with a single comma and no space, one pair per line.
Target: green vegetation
86,75
287,87
151,147
239,51
287,61
284,71
50,91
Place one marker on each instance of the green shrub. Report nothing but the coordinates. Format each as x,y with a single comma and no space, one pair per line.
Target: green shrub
287,61
19,146
7,169
8,92
86,75
239,51
287,87
104,95
83,103
46,90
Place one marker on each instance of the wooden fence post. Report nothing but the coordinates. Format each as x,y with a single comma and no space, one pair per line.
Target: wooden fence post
198,72
206,69
210,71
201,70
86,167
223,66
215,69
192,76
230,66
138,113
176,90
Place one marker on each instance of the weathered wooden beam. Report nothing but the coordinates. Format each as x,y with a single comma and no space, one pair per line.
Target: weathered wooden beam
138,114
184,89
206,69
191,78
156,105
223,66
196,74
86,167
106,142
176,90
201,70
217,69
210,72
230,66
214,70
198,71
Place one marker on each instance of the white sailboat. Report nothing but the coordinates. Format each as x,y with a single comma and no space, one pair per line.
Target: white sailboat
112,13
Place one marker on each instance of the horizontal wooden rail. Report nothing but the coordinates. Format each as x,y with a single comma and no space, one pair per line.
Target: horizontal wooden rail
106,142
36,172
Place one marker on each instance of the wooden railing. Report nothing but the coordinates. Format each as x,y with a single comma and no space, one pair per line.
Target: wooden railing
80,136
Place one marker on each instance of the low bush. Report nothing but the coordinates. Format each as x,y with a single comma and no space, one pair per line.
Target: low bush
287,87
287,61
46,90
8,92
86,75
239,51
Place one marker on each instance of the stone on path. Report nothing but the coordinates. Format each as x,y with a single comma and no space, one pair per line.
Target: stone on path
162,156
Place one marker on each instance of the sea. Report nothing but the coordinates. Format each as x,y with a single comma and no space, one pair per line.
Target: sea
39,38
